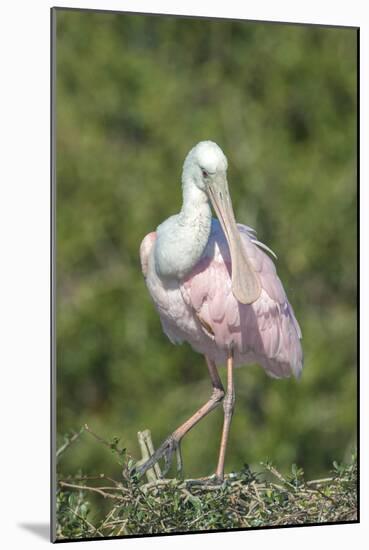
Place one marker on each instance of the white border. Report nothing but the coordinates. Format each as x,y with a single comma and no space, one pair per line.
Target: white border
24,231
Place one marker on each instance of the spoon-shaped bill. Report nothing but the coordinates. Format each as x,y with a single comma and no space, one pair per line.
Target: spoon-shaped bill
245,282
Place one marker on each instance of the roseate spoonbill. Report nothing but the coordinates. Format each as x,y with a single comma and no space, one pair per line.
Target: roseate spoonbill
215,287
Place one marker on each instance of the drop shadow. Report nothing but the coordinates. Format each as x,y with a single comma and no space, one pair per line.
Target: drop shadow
42,530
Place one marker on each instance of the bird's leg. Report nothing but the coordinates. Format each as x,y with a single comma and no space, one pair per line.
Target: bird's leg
172,443
179,461
228,405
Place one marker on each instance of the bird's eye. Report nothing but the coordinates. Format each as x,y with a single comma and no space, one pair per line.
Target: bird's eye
204,173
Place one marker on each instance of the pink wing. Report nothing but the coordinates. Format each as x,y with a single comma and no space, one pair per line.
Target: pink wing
145,249
265,331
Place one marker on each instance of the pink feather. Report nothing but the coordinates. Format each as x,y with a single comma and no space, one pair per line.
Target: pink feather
202,310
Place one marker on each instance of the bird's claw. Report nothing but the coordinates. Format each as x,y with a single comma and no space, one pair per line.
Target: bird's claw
165,451
210,481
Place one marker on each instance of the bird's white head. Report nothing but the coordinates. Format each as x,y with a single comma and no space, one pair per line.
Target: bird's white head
203,163
205,177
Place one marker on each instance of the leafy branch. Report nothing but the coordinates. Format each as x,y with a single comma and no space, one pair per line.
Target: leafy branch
245,499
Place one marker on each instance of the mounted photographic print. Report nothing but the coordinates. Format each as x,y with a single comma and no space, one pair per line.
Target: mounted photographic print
204,216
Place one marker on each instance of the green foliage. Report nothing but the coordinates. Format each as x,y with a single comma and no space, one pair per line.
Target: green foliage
245,499
134,94
72,510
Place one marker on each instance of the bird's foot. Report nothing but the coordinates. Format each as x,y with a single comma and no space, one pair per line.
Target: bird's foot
166,451
210,481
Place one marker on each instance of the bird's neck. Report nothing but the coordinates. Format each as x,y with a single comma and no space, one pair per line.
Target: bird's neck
195,206
182,240
194,223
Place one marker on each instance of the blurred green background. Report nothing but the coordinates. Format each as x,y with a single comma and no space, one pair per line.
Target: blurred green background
134,94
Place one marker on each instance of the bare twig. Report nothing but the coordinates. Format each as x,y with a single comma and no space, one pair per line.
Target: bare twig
97,437
69,442
88,488
84,520
147,450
